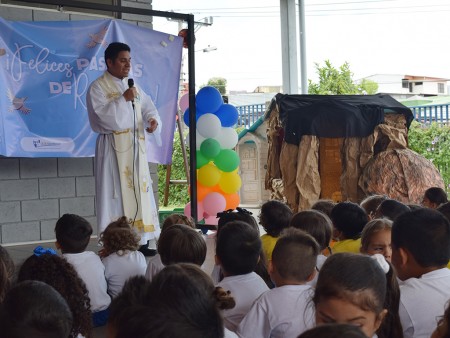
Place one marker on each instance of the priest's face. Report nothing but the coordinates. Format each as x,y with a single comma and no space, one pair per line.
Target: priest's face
120,66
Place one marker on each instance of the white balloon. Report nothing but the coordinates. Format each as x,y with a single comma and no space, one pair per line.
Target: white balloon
228,138
198,140
209,125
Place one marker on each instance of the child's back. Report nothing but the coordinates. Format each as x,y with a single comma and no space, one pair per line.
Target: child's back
285,311
72,237
237,251
123,261
420,254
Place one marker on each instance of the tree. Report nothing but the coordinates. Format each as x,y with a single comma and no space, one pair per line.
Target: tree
219,83
334,81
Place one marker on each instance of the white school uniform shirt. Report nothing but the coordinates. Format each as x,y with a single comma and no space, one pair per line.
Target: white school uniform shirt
119,268
155,265
422,302
92,271
283,312
245,289
320,260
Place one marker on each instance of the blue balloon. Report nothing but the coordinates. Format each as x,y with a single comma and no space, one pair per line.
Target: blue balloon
208,99
186,117
228,115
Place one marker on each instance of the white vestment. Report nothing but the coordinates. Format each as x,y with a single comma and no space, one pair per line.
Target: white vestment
121,131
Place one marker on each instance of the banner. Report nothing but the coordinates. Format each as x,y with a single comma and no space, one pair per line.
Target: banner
46,69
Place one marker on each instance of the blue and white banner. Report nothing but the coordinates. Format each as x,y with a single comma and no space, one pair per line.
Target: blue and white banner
46,69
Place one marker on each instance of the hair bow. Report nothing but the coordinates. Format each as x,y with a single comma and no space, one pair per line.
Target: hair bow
381,262
39,251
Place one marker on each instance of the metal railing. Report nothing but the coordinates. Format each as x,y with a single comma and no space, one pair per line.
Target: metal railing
249,114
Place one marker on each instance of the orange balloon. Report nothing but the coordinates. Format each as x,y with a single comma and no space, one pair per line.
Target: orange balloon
202,191
232,200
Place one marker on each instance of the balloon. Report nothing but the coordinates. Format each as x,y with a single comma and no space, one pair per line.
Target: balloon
232,200
208,125
228,115
214,203
200,210
230,182
209,175
210,148
201,160
208,99
211,220
186,117
202,191
184,102
227,138
227,160
198,140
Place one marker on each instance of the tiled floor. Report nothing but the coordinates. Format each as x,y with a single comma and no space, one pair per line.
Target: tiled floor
21,252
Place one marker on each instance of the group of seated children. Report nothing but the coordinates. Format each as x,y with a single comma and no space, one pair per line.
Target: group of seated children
378,269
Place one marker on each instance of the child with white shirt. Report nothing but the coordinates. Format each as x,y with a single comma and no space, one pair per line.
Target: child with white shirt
121,258
238,249
420,254
285,311
154,264
73,233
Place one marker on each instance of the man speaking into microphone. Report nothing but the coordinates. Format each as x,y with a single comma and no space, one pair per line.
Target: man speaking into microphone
120,113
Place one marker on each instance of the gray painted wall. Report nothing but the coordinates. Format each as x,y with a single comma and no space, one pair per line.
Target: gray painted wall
35,192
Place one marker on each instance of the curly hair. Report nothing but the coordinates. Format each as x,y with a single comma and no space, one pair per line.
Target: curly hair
61,275
119,237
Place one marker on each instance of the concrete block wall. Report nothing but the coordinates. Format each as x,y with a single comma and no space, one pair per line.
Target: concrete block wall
35,192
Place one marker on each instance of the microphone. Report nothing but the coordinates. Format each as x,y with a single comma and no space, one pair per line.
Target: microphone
130,85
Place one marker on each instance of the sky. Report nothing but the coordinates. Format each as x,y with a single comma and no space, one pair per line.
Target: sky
408,37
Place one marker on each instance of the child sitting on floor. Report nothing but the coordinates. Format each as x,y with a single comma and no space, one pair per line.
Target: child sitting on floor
46,266
284,311
434,197
274,217
120,256
348,220
238,249
154,264
376,238
73,233
420,254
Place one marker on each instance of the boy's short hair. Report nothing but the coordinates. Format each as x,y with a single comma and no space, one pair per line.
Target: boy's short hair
425,234
295,255
334,330
238,248
391,209
371,203
274,217
444,209
179,243
315,223
73,233
349,218
436,195
324,206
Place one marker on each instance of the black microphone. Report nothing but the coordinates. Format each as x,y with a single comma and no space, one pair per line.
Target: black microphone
130,85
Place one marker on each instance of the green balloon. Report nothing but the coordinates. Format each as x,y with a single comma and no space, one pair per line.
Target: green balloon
201,160
210,148
227,160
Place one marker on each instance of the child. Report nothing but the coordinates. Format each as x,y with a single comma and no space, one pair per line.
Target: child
317,225
181,244
348,220
334,331
181,301
443,327
359,290
72,237
420,254
391,209
34,309
246,216
284,311
45,266
324,206
238,249
274,217
371,203
154,264
376,238
7,270
434,197
120,256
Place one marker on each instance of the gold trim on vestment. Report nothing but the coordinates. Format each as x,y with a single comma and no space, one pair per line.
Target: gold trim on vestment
138,224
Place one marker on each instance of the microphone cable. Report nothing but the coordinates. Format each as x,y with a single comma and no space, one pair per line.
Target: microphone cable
130,85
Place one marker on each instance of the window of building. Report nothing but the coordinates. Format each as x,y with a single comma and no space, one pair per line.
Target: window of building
405,83
441,89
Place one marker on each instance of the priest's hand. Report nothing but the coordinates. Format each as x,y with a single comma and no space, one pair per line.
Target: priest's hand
153,124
